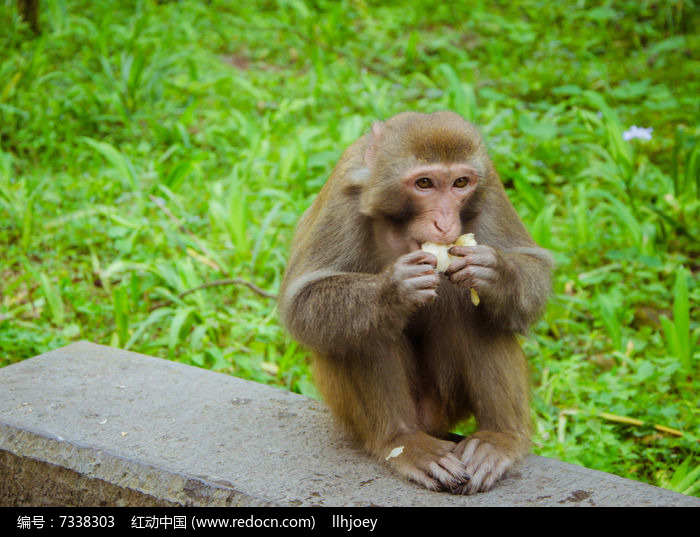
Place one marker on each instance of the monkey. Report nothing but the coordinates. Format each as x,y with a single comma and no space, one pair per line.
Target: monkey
400,352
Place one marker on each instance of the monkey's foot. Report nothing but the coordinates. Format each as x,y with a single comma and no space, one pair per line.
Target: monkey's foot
427,460
485,460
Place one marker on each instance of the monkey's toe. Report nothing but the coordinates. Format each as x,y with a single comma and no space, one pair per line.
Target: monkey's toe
429,461
484,462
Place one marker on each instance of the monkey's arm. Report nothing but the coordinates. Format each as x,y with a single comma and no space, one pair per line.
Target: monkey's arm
327,310
509,271
513,284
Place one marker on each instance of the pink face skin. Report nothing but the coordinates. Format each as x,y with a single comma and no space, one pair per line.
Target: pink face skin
438,193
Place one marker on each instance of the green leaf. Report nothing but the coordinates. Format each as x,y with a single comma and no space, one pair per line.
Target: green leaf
540,130
681,317
121,314
53,297
118,161
179,321
461,94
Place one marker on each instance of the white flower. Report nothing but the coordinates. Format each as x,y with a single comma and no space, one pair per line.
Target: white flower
641,133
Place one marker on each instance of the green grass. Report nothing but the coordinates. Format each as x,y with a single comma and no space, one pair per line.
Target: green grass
150,148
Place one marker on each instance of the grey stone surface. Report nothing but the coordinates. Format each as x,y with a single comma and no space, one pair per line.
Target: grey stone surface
92,425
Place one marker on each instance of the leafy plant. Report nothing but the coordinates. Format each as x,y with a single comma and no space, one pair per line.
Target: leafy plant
679,341
685,478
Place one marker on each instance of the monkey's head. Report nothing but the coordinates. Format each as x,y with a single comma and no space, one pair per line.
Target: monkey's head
424,170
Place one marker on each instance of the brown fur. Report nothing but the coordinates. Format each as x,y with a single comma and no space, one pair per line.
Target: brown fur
396,368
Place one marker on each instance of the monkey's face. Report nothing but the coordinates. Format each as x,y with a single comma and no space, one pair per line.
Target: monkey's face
421,172
437,193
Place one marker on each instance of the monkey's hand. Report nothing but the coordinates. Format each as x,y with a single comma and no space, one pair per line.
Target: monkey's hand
513,286
482,268
414,279
486,460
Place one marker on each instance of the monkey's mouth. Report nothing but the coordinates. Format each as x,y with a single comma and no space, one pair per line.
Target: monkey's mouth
416,244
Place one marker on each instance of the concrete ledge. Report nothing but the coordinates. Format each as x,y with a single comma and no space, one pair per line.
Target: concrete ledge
88,425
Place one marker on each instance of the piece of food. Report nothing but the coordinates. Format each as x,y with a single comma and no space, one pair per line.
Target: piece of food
394,453
466,240
444,259
475,296
439,251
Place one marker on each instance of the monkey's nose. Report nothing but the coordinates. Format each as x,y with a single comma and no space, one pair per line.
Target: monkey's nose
442,227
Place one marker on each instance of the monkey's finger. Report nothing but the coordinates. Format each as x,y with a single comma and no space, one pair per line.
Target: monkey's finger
498,470
422,478
428,281
480,254
452,464
473,276
458,250
476,483
461,251
489,471
405,270
456,265
467,449
412,271
450,471
483,260
446,478
419,257
431,260
409,280
462,276
479,457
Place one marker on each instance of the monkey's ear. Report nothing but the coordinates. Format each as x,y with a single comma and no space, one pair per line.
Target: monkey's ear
375,136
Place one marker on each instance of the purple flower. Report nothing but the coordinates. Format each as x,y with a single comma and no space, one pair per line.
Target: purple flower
641,133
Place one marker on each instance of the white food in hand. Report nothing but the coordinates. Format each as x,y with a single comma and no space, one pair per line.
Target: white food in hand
444,259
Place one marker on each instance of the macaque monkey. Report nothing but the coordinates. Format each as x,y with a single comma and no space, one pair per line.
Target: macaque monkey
401,352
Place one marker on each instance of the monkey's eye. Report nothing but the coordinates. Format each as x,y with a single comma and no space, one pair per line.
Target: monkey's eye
461,182
424,182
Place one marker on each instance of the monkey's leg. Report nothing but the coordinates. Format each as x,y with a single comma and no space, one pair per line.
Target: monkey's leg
369,390
498,393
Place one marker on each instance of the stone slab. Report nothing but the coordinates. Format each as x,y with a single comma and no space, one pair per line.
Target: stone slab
88,425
